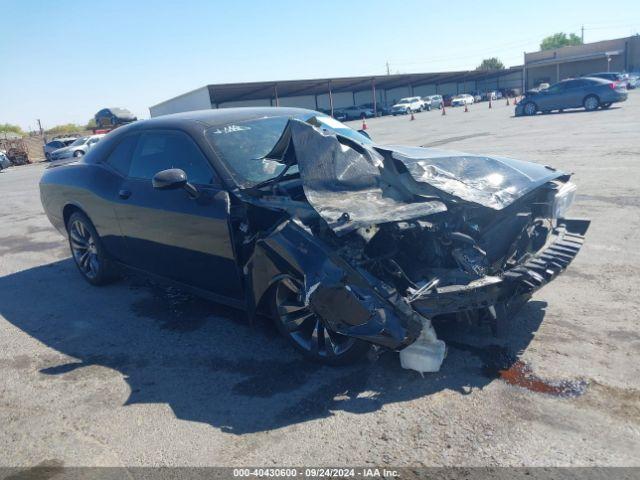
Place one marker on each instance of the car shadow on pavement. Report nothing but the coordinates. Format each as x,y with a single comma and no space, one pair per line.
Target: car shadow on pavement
210,365
568,111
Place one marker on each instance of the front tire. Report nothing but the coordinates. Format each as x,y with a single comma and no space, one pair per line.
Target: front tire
307,332
529,108
591,103
88,253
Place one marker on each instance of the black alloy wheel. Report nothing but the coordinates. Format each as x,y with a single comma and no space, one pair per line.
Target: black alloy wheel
307,331
87,251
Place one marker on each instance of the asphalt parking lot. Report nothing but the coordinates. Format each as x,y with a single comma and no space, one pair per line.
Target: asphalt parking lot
132,374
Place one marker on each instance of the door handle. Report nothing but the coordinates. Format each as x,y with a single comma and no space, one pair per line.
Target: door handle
124,194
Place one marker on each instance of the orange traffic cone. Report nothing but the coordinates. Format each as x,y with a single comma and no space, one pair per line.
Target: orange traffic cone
466,109
364,124
413,117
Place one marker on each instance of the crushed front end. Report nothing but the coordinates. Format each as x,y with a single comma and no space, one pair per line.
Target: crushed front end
384,239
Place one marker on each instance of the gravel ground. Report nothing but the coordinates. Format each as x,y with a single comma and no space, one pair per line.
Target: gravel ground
132,374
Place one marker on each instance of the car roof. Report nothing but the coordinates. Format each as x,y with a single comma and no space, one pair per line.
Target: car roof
594,79
119,111
215,117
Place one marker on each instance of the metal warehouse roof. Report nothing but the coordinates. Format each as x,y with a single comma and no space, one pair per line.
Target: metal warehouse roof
230,92
574,58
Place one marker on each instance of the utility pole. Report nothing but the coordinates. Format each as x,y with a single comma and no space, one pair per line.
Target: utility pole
582,33
40,127
388,71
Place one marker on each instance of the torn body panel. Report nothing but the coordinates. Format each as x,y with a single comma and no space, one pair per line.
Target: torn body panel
350,302
342,180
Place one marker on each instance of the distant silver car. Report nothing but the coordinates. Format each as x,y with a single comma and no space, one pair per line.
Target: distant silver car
432,101
356,112
77,148
56,144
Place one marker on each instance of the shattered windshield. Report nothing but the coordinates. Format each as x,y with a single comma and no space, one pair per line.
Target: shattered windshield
243,146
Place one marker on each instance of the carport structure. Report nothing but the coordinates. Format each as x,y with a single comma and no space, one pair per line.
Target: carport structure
327,94
377,86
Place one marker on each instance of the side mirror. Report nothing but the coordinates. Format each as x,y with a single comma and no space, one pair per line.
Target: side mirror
173,179
170,179
365,133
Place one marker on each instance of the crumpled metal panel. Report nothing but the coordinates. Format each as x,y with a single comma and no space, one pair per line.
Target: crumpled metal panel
342,181
493,182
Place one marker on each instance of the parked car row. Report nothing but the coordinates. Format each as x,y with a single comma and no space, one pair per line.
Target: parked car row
408,105
57,143
630,81
71,148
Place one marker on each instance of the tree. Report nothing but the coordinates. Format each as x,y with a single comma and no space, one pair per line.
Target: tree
91,124
558,40
491,64
9,128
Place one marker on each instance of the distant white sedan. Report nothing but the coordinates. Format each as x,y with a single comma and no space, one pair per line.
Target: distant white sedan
463,99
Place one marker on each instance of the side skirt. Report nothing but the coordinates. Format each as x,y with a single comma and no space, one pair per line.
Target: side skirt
199,292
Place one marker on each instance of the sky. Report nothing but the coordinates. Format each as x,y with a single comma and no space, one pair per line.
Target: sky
62,61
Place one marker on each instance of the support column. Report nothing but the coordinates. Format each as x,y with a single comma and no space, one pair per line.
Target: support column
330,97
373,94
275,93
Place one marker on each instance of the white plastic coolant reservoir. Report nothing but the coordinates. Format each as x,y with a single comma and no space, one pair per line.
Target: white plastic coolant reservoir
425,354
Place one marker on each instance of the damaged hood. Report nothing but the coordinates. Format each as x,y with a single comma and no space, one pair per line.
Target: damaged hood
493,182
352,185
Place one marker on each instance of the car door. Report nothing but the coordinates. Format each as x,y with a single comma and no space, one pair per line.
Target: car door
553,98
169,232
574,92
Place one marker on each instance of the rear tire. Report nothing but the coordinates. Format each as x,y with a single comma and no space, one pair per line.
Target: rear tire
591,103
307,332
88,252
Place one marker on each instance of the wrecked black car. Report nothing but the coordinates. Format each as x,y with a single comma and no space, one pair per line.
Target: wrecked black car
287,212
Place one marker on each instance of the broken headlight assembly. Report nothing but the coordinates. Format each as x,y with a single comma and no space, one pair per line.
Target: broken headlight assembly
563,199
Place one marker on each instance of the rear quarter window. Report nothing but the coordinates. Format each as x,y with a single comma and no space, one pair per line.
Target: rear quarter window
120,157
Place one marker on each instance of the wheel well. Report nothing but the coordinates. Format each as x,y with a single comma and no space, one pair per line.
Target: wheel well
69,210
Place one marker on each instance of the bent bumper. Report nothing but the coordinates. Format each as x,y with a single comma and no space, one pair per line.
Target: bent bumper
526,278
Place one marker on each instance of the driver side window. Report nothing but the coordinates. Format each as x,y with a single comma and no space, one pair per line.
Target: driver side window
557,88
161,150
